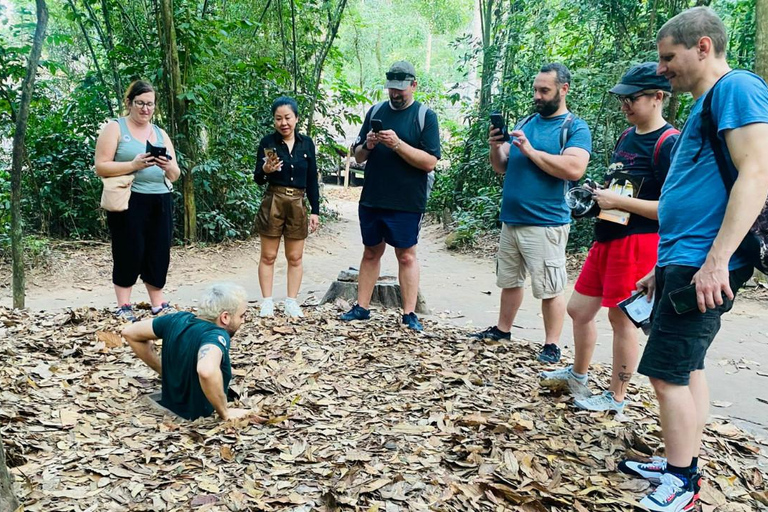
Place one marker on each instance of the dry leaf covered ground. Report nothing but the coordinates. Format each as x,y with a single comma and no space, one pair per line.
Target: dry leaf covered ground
366,416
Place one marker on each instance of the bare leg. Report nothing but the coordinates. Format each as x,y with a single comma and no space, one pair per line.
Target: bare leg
625,352
511,299
155,295
553,311
145,350
678,421
294,251
408,274
269,247
123,295
582,309
370,266
700,392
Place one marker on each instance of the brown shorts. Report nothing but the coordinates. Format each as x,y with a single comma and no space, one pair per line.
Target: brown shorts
283,213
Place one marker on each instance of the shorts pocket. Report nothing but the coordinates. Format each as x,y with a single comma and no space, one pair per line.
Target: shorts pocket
554,276
557,235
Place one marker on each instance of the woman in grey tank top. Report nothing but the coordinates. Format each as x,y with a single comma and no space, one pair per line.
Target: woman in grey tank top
141,235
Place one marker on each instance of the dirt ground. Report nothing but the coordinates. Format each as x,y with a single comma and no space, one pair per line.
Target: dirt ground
459,289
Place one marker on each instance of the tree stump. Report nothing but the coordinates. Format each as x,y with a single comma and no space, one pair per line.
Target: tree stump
386,293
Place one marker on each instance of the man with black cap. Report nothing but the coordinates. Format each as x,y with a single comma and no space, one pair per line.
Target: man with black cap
626,238
400,143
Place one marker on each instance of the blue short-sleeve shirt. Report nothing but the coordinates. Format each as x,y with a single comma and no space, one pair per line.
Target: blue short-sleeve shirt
531,197
693,198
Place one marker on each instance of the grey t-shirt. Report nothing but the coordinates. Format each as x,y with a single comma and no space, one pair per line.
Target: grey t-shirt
147,181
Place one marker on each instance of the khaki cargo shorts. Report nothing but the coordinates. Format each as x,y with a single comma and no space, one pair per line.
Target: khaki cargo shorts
535,250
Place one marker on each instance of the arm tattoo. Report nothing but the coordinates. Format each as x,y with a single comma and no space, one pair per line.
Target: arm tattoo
203,352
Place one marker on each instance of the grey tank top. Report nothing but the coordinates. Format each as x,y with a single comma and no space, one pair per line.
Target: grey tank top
150,180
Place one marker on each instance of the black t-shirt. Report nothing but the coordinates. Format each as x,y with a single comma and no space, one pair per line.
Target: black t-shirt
299,168
390,181
632,160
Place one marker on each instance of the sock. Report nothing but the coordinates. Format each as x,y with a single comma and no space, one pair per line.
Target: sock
500,331
267,299
694,465
289,299
579,376
683,473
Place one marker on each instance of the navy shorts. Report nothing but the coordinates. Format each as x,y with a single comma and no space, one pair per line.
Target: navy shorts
678,344
398,228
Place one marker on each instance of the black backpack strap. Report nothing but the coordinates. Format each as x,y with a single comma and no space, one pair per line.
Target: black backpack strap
520,124
565,130
709,133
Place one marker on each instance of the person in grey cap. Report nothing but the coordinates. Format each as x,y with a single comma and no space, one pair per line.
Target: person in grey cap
626,235
400,143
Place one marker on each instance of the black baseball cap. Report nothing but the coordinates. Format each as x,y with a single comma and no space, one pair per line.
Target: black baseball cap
640,78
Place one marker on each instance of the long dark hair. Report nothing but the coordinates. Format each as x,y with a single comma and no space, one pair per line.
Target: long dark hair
137,88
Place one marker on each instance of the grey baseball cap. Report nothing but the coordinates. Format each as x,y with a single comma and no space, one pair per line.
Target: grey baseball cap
400,75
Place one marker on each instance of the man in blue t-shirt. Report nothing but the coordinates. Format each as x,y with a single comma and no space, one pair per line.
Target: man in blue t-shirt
195,367
700,228
537,167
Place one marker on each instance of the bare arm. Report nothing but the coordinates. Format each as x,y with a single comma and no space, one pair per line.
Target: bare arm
106,147
211,380
571,165
171,167
750,157
140,336
607,200
499,151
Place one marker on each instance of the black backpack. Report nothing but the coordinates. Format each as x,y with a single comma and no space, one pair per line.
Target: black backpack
755,245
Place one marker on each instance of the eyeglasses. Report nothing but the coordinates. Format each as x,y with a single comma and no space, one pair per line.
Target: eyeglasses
141,104
629,100
399,76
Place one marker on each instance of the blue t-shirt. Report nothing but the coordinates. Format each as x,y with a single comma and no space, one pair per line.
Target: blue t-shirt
531,197
693,198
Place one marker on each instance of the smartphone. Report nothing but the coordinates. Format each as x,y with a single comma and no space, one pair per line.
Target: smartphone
376,125
684,299
497,121
270,153
156,151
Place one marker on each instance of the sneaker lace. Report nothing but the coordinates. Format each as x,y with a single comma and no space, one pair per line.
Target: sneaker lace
667,489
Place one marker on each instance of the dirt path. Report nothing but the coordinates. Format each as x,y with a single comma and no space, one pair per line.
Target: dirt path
458,288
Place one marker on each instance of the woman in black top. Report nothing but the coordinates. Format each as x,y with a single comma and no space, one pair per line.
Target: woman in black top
286,161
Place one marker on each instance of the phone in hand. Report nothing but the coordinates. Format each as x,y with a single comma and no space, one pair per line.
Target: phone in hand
376,125
497,121
270,153
156,151
684,299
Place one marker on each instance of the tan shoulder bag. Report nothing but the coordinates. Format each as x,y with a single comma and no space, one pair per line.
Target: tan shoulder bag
116,192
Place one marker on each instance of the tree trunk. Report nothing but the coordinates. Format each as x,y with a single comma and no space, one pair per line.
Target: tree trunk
761,38
110,44
178,124
314,88
27,86
489,58
428,59
7,498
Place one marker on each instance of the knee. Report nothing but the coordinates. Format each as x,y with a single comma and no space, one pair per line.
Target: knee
661,387
268,259
406,259
578,314
294,260
372,254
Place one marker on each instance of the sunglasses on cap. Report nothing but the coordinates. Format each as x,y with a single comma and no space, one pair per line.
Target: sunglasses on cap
399,76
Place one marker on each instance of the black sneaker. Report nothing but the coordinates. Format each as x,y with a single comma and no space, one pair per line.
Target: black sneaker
492,333
356,313
550,353
412,321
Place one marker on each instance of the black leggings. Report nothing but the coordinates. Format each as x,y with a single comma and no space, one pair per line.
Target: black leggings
141,240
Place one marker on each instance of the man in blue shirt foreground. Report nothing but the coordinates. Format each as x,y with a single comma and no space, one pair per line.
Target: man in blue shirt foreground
537,164
700,228
195,367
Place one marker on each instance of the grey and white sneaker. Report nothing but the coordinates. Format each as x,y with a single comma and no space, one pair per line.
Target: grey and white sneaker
601,402
125,313
565,380
292,308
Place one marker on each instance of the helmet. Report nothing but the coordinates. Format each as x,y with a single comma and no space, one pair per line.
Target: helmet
581,202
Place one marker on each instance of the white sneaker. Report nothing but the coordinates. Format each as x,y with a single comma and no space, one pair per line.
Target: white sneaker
601,402
292,308
267,308
673,495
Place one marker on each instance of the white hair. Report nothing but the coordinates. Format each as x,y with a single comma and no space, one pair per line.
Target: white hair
219,298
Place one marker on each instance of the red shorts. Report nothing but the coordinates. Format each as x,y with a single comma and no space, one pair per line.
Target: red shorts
613,268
